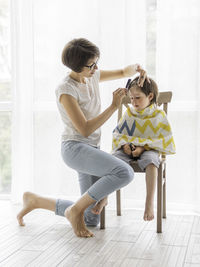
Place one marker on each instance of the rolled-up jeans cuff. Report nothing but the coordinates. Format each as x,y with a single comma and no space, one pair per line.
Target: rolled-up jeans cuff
61,206
91,195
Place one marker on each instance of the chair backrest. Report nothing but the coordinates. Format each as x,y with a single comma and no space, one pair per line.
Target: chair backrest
163,99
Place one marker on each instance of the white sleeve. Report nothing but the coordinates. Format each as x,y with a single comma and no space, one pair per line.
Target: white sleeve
66,90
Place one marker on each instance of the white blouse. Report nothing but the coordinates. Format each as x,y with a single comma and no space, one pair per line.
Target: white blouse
88,98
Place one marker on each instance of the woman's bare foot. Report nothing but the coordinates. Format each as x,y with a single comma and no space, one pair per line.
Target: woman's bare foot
77,222
149,211
99,206
29,203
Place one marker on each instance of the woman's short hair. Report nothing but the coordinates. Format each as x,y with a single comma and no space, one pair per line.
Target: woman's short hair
147,88
77,52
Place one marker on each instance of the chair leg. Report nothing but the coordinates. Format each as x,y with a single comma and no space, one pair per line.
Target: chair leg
118,196
164,192
102,219
159,199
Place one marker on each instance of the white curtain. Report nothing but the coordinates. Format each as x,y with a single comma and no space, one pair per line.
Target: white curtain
41,28
178,70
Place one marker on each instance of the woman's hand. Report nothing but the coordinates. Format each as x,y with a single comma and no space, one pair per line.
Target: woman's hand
133,69
118,95
143,75
130,70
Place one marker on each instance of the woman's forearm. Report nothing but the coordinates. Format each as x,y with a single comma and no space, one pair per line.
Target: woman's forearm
107,75
87,126
95,123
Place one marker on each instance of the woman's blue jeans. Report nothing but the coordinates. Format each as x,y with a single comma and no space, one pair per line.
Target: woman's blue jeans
99,173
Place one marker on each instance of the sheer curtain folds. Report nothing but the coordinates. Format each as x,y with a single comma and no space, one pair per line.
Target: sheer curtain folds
178,69
40,30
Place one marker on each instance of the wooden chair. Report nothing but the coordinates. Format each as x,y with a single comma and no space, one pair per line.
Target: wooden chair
163,99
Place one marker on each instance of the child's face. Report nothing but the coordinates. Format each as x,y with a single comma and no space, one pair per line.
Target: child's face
138,99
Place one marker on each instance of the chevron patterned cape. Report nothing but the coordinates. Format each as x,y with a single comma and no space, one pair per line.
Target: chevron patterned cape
149,128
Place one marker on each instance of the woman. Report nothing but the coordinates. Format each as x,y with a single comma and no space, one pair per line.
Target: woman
78,102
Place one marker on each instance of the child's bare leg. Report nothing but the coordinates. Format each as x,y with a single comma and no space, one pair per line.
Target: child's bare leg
151,178
99,206
32,201
75,215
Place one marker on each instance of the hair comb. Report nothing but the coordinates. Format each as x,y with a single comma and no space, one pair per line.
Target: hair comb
128,83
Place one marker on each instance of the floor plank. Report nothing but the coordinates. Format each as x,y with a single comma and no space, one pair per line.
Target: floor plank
48,240
193,252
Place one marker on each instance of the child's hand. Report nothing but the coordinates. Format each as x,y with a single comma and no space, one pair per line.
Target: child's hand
127,149
138,151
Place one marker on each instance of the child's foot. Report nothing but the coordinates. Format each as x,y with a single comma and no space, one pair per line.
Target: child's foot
149,211
29,203
99,206
77,222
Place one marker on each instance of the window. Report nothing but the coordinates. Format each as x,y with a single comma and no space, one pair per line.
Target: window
37,69
151,37
5,99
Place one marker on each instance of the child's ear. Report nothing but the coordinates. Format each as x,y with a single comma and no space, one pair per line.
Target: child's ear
151,95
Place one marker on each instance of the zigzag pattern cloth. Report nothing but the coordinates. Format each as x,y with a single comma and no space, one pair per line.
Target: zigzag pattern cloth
149,128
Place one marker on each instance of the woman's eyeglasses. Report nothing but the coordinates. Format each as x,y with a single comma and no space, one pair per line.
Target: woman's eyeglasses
91,67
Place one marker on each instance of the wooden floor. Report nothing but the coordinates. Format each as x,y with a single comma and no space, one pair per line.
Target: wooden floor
47,240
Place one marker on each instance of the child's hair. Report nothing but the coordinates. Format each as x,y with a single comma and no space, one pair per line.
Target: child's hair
147,88
77,52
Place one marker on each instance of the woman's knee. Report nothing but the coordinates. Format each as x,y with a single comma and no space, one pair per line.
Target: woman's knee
130,174
125,172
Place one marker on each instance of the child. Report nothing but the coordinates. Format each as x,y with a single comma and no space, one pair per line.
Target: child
142,134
